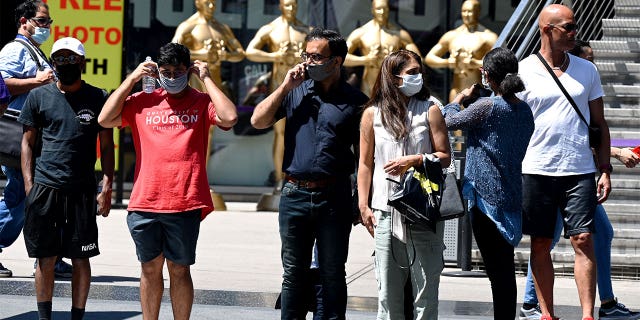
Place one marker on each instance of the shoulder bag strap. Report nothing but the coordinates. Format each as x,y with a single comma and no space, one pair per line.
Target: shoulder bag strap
32,53
566,94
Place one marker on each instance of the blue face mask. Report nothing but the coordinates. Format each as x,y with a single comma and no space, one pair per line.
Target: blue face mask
174,86
40,35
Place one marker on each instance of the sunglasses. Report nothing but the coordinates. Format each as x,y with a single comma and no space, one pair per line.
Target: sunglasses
315,57
72,59
43,21
569,27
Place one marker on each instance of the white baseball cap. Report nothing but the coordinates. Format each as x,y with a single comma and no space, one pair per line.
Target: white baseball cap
68,43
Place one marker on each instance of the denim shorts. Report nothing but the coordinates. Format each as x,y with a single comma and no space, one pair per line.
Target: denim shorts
173,234
542,196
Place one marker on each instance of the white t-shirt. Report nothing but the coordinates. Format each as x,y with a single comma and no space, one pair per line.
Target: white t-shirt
559,145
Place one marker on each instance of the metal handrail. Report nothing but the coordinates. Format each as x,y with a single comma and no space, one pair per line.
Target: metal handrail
521,35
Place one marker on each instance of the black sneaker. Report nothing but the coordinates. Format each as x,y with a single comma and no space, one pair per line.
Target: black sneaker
63,269
4,272
618,312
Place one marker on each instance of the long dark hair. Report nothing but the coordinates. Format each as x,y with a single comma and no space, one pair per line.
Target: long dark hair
501,66
386,95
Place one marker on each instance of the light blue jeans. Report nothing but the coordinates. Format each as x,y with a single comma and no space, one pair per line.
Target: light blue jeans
11,207
426,247
602,247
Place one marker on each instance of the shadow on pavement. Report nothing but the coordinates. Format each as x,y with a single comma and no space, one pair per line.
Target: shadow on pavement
96,315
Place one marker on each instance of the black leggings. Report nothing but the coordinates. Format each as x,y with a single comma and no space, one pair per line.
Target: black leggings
497,255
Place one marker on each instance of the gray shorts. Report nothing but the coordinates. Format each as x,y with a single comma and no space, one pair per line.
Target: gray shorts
173,234
542,196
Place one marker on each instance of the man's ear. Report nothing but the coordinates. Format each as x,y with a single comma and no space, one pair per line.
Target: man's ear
22,20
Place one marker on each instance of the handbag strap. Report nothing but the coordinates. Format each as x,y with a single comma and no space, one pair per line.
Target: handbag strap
566,94
32,53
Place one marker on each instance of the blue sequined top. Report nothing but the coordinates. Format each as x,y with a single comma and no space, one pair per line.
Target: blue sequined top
497,135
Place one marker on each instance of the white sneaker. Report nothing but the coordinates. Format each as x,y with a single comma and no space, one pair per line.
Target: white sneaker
530,314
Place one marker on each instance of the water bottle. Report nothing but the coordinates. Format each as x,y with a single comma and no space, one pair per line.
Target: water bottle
148,82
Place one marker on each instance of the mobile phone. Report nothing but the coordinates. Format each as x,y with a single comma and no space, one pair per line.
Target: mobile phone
636,150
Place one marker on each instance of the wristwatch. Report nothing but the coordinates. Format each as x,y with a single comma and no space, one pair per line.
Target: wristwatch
605,167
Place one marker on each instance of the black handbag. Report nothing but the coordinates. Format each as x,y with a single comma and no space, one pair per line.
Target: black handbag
451,206
594,132
417,204
11,139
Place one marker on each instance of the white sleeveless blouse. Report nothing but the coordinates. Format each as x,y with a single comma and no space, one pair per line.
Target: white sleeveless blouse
388,148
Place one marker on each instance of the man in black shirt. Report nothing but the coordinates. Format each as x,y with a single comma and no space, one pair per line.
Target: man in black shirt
323,116
58,158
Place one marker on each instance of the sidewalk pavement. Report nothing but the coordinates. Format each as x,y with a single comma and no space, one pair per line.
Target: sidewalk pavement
238,266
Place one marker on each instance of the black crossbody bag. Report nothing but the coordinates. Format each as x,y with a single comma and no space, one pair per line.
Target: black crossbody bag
10,128
594,132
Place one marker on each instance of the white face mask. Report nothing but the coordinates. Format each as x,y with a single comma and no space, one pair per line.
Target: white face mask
411,84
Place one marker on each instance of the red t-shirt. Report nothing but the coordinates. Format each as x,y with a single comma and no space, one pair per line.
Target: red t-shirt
170,137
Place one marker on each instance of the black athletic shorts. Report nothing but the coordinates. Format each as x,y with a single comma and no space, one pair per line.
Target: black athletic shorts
542,197
60,223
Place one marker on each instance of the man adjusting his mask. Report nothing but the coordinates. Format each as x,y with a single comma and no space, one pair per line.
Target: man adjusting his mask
171,124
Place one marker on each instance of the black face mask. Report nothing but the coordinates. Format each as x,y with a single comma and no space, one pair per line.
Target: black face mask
69,73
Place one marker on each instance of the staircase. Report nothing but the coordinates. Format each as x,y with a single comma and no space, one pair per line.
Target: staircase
617,56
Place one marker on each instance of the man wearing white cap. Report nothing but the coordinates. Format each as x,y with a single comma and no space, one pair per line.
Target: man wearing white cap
58,156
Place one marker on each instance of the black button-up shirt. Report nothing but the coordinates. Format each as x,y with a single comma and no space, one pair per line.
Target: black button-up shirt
320,131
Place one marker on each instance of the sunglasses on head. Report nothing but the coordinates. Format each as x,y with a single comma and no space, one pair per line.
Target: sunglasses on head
569,27
72,59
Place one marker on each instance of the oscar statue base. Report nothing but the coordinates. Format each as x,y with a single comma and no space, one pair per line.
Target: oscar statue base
271,201
218,202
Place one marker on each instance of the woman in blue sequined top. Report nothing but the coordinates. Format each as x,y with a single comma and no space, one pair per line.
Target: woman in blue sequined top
498,130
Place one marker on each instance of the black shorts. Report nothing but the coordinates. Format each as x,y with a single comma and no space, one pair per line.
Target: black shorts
542,197
60,223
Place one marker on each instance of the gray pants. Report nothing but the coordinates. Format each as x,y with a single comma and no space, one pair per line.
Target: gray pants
424,273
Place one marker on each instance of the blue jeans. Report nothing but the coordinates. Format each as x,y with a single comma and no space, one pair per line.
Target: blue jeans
323,215
11,207
602,247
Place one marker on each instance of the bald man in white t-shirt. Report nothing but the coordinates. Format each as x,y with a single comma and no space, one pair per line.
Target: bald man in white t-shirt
559,172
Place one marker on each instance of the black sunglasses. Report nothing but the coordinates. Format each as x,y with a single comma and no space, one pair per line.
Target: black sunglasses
315,57
43,21
569,27
72,59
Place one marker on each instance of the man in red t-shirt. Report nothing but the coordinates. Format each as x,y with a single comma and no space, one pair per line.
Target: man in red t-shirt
170,195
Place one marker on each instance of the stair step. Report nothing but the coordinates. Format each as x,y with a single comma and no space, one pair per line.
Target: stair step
621,33
618,56
621,23
628,195
626,3
622,212
622,113
522,258
623,122
621,90
627,12
618,104
629,135
608,45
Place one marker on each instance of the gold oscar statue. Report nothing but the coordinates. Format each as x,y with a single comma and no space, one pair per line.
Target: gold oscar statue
466,46
375,40
281,41
214,42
